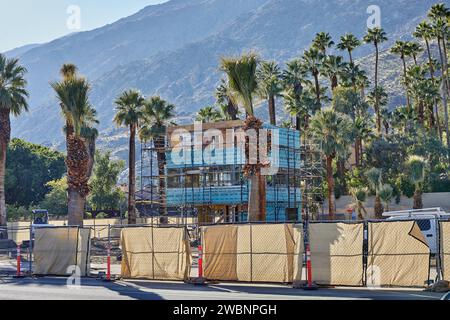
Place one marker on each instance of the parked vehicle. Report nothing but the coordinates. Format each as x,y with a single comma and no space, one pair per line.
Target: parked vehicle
427,220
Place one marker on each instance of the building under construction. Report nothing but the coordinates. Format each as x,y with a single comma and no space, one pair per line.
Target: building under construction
200,173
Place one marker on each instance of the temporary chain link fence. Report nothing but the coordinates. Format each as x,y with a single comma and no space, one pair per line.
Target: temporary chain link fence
407,253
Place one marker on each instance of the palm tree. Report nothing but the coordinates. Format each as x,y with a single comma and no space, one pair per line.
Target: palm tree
208,114
158,114
293,77
13,101
349,42
359,196
401,49
129,113
312,61
413,49
440,31
386,194
333,67
73,95
334,130
322,42
242,80
416,167
424,31
224,97
374,178
269,76
376,36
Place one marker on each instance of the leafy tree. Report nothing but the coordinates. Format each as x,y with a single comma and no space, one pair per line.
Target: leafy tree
56,200
105,195
129,113
28,169
13,101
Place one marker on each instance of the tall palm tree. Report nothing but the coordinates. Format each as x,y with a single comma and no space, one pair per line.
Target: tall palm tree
242,79
208,114
424,31
294,77
322,42
349,43
224,97
334,68
312,60
401,49
13,101
416,168
269,80
440,31
73,95
374,178
334,130
376,36
158,114
129,113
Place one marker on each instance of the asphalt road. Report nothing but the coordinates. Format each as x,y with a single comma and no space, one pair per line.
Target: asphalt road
92,289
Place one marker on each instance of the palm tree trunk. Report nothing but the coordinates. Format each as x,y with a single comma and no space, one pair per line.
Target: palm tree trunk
418,204
76,206
444,98
77,176
5,135
161,161
330,183
350,56
317,86
377,107
272,116
408,101
378,208
132,176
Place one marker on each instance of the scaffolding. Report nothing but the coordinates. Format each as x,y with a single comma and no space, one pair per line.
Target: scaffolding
218,192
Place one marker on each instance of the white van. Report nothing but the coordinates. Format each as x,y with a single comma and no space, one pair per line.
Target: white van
426,219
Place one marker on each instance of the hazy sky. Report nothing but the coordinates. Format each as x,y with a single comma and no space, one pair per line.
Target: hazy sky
36,21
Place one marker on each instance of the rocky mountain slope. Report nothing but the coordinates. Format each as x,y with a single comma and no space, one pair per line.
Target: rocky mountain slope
173,50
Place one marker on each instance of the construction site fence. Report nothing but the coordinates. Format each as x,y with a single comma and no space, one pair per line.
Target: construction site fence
342,253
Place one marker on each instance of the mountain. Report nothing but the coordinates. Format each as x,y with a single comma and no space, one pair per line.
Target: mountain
173,49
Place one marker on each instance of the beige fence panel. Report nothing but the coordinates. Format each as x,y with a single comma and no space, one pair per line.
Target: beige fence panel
57,249
253,252
398,255
337,253
155,253
445,249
